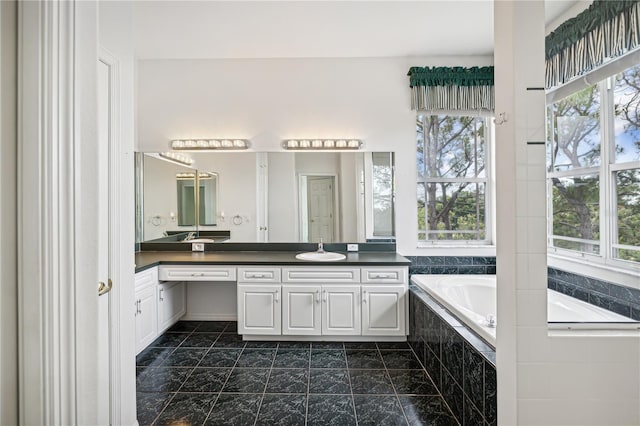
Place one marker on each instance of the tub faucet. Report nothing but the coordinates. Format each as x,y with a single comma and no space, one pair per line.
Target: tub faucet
491,321
321,247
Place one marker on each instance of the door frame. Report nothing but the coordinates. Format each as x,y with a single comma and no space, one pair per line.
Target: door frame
122,354
57,261
303,200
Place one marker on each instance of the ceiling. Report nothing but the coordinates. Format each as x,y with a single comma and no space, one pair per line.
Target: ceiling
317,29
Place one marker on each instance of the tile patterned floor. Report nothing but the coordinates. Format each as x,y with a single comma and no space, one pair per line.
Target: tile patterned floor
202,373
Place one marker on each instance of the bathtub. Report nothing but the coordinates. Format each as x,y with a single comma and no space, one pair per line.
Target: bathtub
472,298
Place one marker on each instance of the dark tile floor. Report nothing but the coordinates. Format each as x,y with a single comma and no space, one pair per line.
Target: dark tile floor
202,373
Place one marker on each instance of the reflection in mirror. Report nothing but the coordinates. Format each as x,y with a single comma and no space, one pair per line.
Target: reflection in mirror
160,197
186,199
207,211
382,194
281,196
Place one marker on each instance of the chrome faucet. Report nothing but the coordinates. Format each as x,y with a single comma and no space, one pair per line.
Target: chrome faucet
321,247
189,236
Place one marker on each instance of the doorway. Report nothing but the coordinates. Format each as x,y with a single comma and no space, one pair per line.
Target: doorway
318,205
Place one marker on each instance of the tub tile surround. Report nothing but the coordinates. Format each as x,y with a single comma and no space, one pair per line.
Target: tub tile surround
613,297
452,265
462,365
219,380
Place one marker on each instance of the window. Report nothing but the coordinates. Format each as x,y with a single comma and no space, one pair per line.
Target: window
452,179
593,174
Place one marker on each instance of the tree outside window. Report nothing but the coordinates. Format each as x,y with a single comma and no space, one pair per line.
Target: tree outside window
452,178
594,169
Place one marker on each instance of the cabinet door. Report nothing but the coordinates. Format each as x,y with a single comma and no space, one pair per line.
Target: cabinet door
383,308
146,317
301,310
171,304
259,309
341,310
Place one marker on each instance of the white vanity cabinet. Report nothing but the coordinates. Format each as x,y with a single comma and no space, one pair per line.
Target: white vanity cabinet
259,309
341,310
172,304
322,301
301,310
146,315
383,310
313,310
259,301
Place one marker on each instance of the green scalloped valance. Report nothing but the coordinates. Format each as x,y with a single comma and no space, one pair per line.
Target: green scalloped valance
451,88
450,76
606,30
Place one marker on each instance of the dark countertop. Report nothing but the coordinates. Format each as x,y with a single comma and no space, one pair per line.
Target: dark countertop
148,259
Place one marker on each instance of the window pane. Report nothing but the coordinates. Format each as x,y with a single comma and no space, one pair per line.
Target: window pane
626,100
584,247
421,212
455,207
628,212
420,146
576,130
576,212
454,146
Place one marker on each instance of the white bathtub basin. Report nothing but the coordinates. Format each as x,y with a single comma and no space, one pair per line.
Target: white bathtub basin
472,298
326,256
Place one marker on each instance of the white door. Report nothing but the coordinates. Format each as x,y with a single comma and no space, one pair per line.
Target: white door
383,310
103,228
341,309
259,309
320,196
301,310
171,304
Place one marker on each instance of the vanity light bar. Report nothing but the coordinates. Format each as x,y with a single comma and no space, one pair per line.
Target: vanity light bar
190,176
175,157
317,144
209,144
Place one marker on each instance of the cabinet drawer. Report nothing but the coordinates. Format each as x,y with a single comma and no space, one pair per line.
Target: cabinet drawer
146,278
259,275
197,273
384,275
321,274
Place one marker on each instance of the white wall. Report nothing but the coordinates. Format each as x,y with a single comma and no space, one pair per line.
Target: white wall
543,379
115,21
8,159
268,100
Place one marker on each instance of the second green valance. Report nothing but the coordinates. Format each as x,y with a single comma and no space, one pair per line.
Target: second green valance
452,88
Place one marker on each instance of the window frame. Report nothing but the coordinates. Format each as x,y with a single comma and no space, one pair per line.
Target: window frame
607,185
487,180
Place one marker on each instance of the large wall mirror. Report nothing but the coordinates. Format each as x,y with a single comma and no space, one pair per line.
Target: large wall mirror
271,196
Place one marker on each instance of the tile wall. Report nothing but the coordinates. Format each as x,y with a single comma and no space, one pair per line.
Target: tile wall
462,366
452,265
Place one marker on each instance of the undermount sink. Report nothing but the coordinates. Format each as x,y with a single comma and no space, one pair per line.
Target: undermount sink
316,256
201,240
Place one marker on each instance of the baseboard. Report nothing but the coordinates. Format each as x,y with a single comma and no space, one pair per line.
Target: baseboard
340,338
209,317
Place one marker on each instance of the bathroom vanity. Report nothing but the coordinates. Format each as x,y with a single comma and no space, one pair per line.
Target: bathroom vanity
276,296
